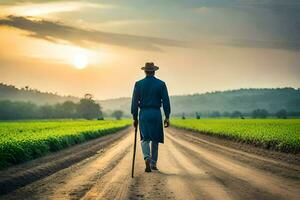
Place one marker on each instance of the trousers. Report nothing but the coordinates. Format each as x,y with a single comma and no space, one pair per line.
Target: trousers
148,153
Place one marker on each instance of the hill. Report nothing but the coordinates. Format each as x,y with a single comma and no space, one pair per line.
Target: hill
244,100
10,92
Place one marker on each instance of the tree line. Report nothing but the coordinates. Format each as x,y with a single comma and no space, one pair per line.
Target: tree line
86,108
243,100
255,114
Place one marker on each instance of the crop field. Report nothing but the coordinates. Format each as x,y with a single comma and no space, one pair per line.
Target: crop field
276,134
25,140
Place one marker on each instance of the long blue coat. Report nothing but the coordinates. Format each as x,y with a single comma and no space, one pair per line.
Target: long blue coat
149,95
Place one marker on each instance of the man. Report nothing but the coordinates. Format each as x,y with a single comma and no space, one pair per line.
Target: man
148,96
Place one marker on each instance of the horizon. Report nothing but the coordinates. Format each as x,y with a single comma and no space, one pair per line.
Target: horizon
171,95
98,47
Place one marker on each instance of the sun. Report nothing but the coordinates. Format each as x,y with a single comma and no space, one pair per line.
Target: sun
80,61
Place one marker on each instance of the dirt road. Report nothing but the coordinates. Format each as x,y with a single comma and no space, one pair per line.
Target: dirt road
190,167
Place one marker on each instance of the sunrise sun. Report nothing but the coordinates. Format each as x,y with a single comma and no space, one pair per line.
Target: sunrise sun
80,61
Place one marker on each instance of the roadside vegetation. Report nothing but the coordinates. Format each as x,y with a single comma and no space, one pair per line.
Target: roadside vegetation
21,141
118,114
255,114
276,134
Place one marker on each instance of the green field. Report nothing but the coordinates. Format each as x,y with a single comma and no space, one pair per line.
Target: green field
25,140
277,134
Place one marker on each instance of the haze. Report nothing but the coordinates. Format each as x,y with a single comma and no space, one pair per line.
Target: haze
98,47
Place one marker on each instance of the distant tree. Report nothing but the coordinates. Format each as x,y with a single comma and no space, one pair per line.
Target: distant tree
260,113
46,111
66,110
5,109
236,114
183,116
226,114
281,114
198,115
69,109
294,114
17,110
215,114
117,114
87,108
88,96
13,110
25,110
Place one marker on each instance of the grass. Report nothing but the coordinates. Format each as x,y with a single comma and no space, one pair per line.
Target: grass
21,141
277,134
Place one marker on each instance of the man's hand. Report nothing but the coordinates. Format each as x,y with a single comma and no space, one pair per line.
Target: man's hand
167,123
135,123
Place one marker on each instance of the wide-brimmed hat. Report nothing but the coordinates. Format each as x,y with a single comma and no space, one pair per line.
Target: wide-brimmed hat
150,67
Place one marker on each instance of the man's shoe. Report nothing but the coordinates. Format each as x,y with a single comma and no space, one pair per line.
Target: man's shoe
148,168
153,167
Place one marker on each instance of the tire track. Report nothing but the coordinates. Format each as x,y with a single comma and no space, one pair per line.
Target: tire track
263,182
187,170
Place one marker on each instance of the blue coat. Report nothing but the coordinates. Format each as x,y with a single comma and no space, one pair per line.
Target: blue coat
149,95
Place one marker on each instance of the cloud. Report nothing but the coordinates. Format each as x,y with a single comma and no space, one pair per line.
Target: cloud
201,9
253,23
56,32
46,8
248,3
265,44
10,2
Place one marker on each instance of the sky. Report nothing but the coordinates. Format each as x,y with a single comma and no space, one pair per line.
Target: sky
99,46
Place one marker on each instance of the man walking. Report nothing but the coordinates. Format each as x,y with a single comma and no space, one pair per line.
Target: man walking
148,95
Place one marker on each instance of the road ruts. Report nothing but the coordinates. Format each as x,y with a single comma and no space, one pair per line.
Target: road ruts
189,168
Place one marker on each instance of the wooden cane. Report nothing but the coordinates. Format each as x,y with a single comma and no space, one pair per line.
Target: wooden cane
134,150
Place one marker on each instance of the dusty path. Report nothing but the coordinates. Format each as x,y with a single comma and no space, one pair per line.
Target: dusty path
191,167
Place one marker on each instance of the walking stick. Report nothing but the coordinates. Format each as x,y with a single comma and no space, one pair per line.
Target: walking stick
134,149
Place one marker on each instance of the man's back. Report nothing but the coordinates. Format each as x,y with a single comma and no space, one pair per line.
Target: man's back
150,92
